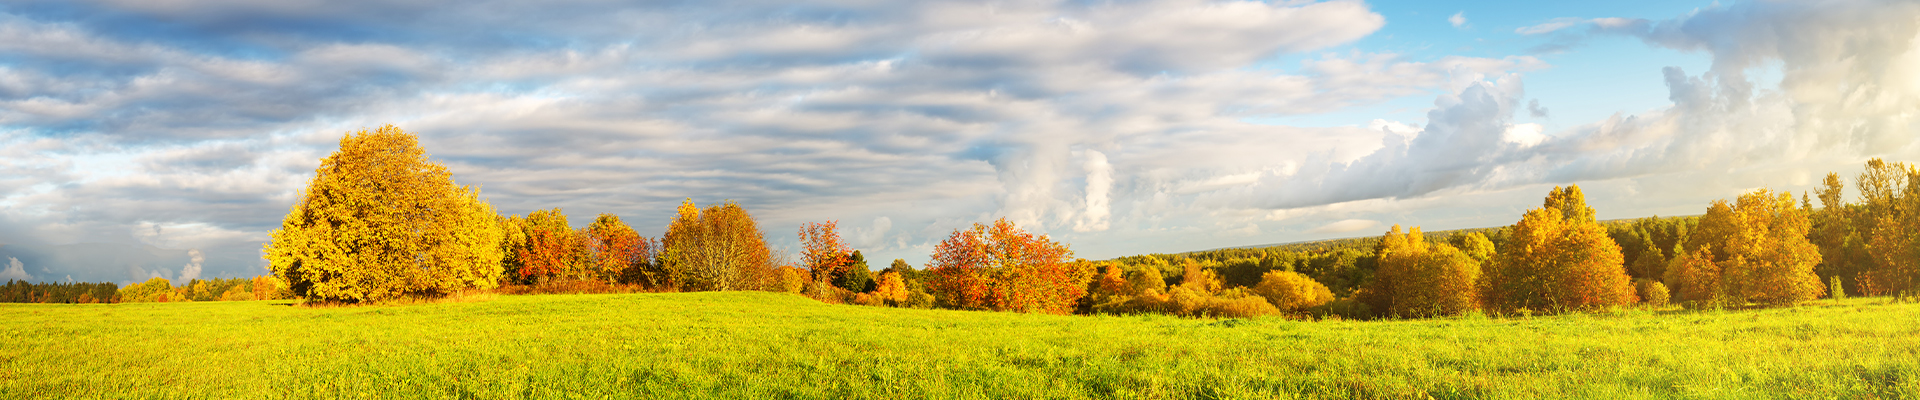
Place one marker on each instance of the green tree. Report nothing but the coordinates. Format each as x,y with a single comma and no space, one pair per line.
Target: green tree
379,221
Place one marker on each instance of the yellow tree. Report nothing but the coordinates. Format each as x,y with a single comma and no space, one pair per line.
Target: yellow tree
1416,278
1892,194
1758,250
1291,291
719,248
379,221
1553,261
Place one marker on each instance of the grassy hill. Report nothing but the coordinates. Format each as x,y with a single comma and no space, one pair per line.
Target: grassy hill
765,345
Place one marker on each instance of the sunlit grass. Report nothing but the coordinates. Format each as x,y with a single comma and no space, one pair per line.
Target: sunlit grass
764,345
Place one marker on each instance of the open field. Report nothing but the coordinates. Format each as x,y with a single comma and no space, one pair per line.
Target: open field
765,345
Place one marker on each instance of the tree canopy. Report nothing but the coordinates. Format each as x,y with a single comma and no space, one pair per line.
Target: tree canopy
379,221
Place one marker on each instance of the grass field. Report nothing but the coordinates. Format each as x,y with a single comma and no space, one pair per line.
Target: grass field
763,345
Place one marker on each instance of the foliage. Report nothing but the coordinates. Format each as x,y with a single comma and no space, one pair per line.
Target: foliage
1290,291
620,254
1652,292
1553,262
379,221
1417,279
153,290
854,275
1002,267
891,288
791,279
1892,199
58,292
1200,280
822,251
551,249
1759,251
718,248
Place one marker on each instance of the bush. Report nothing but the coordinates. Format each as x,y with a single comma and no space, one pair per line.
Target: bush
1290,291
1652,292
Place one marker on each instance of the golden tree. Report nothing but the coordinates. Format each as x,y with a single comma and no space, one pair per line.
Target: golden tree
1892,194
719,248
1416,278
1291,291
1758,251
379,221
1553,261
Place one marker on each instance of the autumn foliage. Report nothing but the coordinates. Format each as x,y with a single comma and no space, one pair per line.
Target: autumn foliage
1417,279
1001,267
1558,258
717,248
822,251
379,221
1753,251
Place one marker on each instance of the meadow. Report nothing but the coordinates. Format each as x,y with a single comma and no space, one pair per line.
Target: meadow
771,345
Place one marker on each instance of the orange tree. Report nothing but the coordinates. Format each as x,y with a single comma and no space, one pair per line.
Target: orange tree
379,221
1558,258
549,248
1001,267
1758,251
822,250
619,253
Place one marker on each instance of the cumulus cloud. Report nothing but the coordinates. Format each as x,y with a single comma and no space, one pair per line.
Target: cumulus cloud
192,270
1458,20
15,270
1097,208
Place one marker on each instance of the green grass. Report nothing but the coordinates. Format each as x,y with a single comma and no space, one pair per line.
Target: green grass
762,345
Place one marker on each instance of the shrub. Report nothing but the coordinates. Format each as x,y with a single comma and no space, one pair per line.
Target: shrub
1652,292
1291,291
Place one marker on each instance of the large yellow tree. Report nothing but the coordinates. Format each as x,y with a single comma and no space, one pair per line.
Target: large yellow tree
1418,279
1558,258
380,221
718,248
1755,250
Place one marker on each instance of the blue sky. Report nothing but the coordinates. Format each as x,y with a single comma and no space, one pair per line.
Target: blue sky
1122,127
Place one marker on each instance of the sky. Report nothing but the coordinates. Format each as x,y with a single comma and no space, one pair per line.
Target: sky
1119,127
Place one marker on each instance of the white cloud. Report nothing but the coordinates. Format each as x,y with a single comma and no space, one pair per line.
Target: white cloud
192,270
1458,20
15,270
1550,26
1097,208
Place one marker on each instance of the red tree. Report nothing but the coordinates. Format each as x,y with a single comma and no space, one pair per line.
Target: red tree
1002,267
